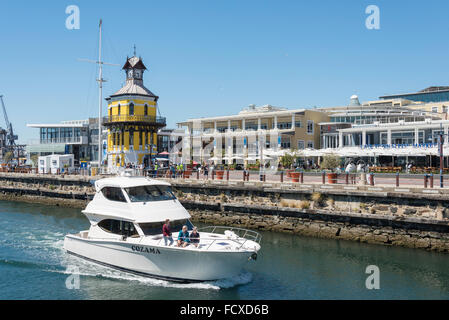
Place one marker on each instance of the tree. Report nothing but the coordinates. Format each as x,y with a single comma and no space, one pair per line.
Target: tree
287,160
330,162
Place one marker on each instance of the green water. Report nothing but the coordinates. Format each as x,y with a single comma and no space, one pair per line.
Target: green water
33,265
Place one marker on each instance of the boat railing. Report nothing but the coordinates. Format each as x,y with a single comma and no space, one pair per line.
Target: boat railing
241,233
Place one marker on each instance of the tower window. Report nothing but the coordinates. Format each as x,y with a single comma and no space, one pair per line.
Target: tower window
131,109
145,110
118,109
131,137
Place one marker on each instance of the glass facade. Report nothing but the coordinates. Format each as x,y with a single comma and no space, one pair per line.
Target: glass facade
402,137
424,96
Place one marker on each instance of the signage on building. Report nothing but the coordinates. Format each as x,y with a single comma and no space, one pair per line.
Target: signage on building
398,146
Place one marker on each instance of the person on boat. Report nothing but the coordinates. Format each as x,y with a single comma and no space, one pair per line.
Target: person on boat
167,232
183,237
195,237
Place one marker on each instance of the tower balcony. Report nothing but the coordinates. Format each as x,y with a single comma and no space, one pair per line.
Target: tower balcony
153,121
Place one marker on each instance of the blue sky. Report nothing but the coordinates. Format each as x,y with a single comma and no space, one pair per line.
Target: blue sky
208,58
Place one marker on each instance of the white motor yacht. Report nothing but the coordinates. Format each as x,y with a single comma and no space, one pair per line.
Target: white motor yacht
126,217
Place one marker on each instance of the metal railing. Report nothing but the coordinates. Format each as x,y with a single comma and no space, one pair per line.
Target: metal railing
57,140
135,118
241,233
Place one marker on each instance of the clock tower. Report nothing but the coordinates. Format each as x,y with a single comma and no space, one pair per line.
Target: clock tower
134,69
132,120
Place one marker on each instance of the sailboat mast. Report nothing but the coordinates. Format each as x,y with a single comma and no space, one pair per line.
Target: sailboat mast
100,98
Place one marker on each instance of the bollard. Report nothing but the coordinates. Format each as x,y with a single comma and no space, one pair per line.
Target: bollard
282,176
227,175
397,179
301,177
213,174
431,180
425,180
372,179
197,174
264,177
347,178
323,177
244,175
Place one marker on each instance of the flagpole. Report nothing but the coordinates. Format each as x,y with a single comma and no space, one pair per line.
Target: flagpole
100,98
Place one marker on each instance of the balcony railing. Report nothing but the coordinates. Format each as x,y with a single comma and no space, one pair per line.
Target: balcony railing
66,140
135,118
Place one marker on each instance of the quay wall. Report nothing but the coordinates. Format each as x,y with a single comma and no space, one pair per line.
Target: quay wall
409,217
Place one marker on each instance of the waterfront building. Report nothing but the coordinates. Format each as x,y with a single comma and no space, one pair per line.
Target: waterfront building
417,139
164,141
428,95
245,136
77,137
132,122
371,113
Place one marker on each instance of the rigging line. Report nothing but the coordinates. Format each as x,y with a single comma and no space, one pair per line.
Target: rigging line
109,42
89,89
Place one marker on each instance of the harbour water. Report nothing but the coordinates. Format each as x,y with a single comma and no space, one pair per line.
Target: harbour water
33,265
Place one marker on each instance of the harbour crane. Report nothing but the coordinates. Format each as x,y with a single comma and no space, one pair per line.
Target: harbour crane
10,137
10,141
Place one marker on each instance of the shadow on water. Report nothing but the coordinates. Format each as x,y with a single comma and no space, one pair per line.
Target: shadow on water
33,266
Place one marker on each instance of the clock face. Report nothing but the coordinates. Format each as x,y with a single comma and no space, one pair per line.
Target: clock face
137,73
130,73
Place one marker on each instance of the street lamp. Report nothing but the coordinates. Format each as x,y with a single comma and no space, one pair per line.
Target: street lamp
440,137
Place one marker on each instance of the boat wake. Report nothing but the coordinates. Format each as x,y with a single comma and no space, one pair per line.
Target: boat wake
79,266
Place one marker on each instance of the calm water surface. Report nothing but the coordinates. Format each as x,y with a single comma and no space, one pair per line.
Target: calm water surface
33,266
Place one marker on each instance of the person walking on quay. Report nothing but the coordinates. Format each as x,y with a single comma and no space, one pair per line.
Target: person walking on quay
206,172
166,232
173,171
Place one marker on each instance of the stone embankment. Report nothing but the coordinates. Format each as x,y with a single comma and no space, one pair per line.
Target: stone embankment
410,217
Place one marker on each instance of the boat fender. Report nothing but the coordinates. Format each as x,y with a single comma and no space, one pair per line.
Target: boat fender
253,257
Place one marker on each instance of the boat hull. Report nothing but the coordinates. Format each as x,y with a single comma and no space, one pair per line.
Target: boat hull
170,263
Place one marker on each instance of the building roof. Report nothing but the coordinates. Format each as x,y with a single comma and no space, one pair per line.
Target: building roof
254,113
428,90
134,62
134,87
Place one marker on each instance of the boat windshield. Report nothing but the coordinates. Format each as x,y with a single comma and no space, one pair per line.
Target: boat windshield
150,193
155,228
